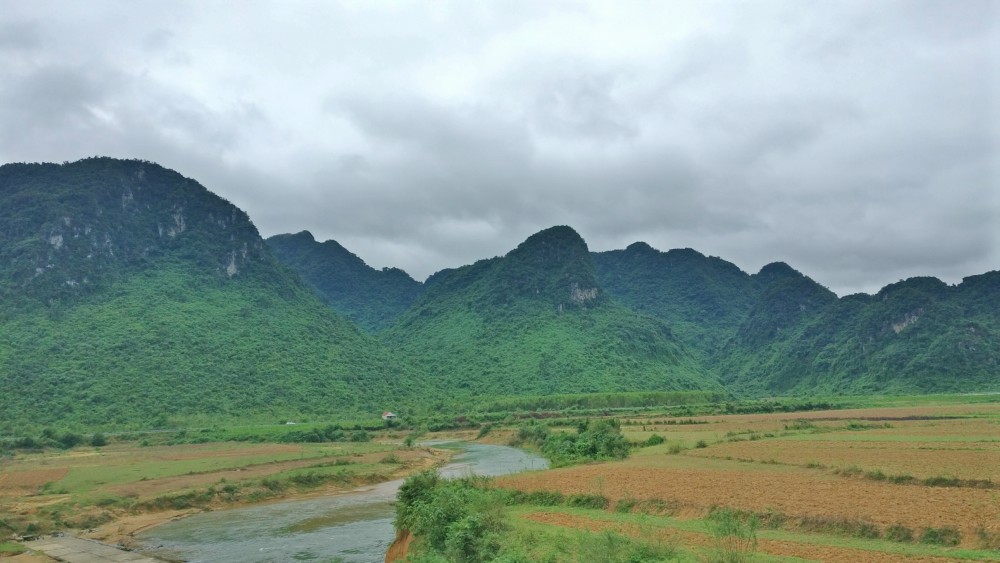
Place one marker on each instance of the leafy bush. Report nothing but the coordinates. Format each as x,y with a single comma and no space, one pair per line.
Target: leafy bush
943,481
899,533
655,440
456,519
625,505
392,459
941,536
70,440
595,439
414,492
531,433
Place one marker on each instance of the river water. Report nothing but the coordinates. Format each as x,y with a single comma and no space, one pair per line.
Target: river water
354,527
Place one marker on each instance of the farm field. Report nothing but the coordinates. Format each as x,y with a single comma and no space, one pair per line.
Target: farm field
901,483
120,488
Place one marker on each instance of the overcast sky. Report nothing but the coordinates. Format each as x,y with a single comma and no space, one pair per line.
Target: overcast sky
857,141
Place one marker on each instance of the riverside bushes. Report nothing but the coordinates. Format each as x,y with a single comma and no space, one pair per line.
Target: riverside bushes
594,440
455,519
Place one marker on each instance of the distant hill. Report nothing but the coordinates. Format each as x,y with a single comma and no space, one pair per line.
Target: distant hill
779,332
916,336
372,299
132,295
537,321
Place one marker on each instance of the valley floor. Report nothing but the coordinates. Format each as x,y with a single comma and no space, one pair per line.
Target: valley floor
888,484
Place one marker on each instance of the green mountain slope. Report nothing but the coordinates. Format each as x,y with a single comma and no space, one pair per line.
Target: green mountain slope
132,294
372,299
702,299
779,332
536,321
915,336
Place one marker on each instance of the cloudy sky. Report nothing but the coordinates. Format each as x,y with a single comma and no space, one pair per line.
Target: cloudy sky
855,140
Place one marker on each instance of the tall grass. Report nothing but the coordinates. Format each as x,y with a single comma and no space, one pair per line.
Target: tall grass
734,536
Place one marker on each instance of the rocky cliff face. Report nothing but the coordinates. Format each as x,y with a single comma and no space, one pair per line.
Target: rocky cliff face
68,228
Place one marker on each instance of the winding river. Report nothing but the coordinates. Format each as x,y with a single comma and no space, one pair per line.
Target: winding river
353,527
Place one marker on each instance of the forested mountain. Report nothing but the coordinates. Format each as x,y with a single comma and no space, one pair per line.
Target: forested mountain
132,294
703,299
372,299
537,321
919,335
779,332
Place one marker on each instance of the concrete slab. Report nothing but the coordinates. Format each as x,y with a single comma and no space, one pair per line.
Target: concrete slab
77,550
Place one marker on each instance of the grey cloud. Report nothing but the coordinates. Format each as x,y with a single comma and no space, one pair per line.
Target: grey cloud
573,101
857,142
158,40
20,36
51,95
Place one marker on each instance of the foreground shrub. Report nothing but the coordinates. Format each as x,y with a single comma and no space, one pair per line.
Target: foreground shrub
455,519
947,536
734,535
899,533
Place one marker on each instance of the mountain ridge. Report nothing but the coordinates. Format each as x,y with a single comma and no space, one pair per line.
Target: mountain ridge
132,294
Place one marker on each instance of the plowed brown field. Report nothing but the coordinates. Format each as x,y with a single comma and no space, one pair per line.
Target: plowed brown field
921,442
918,459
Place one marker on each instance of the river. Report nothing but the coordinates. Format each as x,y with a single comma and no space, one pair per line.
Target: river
354,527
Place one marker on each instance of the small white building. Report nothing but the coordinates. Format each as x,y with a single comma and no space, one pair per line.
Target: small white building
388,416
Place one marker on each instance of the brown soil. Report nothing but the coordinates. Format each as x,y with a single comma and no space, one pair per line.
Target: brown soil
400,547
797,493
33,479
918,459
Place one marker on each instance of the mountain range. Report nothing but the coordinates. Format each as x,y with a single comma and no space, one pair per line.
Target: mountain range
133,296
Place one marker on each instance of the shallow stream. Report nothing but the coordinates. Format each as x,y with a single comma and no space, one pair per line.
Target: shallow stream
352,527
